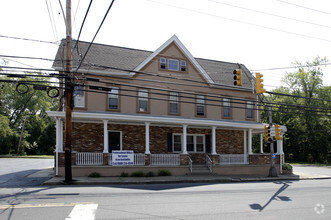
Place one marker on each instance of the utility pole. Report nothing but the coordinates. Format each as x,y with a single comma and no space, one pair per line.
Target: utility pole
68,96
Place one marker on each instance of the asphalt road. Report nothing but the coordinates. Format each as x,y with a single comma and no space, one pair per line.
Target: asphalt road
309,199
15,172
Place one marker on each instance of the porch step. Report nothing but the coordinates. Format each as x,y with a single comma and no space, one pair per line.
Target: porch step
200,169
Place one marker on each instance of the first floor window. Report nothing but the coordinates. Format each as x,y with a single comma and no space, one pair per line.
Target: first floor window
250,109
113,99
174,105
200,105
194,143
79,96
226,108
143,100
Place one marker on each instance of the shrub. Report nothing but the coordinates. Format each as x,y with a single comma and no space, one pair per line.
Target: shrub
94,175
123,174
138,174
164,173
150,174
287,166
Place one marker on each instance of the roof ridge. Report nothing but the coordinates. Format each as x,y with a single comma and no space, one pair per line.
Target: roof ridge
213,60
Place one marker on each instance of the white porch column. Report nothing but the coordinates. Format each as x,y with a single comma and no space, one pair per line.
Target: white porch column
213,135
280,147
250,141
105,136
61,135
57,134
184,140
261,143
147,137
245,146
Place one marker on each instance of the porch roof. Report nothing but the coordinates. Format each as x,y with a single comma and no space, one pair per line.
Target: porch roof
159,120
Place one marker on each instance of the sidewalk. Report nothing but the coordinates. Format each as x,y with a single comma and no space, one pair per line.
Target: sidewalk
180,179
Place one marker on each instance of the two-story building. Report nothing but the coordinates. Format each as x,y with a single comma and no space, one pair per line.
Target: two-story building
168,109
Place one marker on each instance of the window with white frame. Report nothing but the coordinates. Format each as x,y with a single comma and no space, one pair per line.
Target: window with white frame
163,63
194,143
173,64
113,101
200,105
226,108
143,100
173,102
79,96
250,109
183,65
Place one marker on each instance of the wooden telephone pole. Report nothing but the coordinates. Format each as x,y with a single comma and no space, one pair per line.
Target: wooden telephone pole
68,96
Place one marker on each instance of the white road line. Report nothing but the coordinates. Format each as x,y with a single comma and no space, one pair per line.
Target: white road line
83,212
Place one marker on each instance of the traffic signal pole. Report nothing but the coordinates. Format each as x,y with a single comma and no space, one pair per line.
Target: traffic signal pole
68,97
272,170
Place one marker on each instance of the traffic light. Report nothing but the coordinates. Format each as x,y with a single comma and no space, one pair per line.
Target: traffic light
278,135
266,133
237,77
259,84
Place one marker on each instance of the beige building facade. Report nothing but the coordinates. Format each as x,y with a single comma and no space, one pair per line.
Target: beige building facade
171,110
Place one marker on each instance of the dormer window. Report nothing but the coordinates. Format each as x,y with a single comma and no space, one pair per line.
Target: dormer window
173,65
183,65
163,63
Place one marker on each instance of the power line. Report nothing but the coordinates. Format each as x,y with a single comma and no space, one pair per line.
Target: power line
289,67
296,96
29,39
270,14
51,19
81,27
104,18
244,22
308,8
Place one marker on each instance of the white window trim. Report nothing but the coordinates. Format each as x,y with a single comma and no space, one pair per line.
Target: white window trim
250,107
118,99
228,102
173,101
200,99
194,142
178,66
79,103
143,98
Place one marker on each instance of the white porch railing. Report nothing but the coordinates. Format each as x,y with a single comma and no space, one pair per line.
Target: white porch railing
233,159
139,159
209,164
89,158
165,159
190,163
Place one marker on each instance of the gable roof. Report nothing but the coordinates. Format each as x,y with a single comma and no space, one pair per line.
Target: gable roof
120,61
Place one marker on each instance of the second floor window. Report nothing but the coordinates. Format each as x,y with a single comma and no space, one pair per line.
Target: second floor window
173,102
250,109
200,105
143,100
226,108
79,97
113,99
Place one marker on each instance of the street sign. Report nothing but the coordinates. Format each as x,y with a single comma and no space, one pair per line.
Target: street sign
272,132
273,156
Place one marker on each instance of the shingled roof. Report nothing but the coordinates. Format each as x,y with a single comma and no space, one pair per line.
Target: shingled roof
114,60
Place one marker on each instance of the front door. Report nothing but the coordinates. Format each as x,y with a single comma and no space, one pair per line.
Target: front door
114,140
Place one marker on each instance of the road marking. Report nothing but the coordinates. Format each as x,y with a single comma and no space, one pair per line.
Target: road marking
44,205
83,212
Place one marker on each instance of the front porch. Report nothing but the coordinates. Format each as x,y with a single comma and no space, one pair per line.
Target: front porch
84,163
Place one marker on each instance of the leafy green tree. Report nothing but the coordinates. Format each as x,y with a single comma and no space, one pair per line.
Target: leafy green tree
14,106
308,135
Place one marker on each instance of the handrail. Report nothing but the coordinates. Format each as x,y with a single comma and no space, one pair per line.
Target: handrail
209,163
190,163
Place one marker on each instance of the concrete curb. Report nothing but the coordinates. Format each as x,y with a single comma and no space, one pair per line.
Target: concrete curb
173,180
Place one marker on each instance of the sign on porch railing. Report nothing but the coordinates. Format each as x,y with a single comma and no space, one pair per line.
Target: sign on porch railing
122,158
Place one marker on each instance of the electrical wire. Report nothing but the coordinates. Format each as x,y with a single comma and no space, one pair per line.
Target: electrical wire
29,39
300,6
103,20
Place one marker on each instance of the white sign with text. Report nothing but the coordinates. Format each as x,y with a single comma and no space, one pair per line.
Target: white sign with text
122,158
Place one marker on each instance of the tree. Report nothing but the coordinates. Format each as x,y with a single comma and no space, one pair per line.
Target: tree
14,106
308,136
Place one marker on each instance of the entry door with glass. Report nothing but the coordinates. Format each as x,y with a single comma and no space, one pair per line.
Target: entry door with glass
115,140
